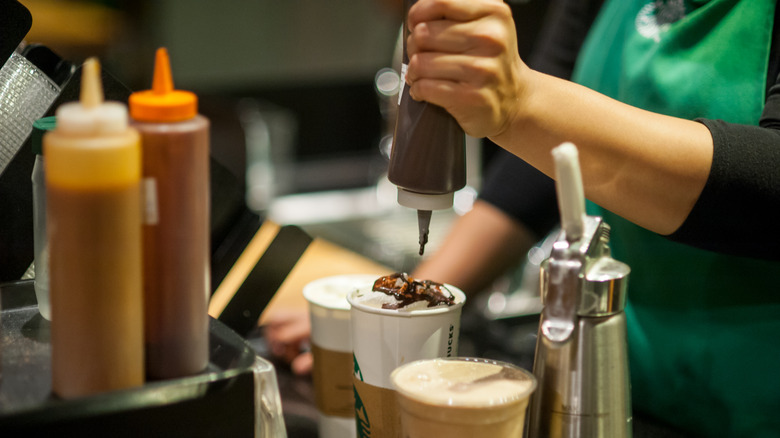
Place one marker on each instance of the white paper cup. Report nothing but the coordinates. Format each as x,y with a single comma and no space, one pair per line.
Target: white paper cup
382,340
462,398
332,350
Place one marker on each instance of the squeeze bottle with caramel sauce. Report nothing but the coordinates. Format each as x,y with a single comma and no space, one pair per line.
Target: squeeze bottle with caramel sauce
176,243
93,209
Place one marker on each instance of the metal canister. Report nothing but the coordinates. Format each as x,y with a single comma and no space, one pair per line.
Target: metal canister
581,357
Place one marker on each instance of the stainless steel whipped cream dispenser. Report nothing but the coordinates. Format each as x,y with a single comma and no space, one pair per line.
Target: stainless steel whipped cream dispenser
581,353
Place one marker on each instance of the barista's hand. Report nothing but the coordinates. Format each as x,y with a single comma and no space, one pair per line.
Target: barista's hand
647,167
287,333
463,57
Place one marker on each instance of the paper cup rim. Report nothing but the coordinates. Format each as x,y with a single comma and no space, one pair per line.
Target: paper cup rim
466,404
310,286
400,313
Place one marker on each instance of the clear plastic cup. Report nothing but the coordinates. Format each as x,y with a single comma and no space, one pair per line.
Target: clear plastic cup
462,398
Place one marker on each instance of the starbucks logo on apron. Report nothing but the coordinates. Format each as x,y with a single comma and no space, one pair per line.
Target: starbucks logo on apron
655,17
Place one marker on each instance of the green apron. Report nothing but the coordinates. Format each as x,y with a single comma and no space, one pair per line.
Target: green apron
703,328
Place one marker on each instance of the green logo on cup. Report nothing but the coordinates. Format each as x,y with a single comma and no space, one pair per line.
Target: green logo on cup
358,374
361,417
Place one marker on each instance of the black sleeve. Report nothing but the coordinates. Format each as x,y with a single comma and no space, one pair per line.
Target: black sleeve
740,204
510,183
522,192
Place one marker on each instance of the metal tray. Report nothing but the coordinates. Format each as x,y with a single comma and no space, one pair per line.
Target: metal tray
236,396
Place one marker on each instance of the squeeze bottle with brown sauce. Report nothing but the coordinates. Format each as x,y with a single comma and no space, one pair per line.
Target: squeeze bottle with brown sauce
175,143
93,171
428,156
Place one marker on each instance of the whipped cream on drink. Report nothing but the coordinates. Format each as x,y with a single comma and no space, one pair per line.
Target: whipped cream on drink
331,292
402,292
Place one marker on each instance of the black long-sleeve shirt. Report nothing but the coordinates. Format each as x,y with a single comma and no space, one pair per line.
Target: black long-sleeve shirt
741,199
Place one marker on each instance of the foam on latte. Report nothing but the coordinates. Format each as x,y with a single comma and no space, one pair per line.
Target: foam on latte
468,383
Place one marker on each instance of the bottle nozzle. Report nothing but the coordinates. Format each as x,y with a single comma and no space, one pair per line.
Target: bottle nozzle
423,223
162,83
91,85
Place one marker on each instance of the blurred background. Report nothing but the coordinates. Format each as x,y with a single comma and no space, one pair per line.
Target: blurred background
306,65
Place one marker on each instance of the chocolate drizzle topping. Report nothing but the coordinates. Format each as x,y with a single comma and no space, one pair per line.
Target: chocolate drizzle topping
407,290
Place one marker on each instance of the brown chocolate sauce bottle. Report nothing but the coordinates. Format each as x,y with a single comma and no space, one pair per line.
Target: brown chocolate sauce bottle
175,141
428,157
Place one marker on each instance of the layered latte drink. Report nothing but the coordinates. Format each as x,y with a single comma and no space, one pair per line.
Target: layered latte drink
462,398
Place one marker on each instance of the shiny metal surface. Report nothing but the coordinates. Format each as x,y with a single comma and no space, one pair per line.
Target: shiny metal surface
584,386
604,288
581,352
600,279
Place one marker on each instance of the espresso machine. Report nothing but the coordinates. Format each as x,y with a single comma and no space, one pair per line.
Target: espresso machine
581,358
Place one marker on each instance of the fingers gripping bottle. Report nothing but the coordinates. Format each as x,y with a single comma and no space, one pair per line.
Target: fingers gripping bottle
175,143
428,157
93,170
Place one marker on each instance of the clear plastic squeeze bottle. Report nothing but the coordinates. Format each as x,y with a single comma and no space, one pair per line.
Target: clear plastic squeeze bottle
175,143
93,171
40,244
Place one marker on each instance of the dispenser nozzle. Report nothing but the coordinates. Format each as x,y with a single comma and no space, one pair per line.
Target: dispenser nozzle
423,223
568,185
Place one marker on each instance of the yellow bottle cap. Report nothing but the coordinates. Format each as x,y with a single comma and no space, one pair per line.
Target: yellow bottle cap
162,103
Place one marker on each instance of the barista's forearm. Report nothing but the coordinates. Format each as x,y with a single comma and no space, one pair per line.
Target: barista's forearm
646,167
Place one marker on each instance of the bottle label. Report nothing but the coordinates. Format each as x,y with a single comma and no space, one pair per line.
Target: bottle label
151,210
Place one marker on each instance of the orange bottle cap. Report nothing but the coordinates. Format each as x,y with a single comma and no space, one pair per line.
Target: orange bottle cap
162,103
